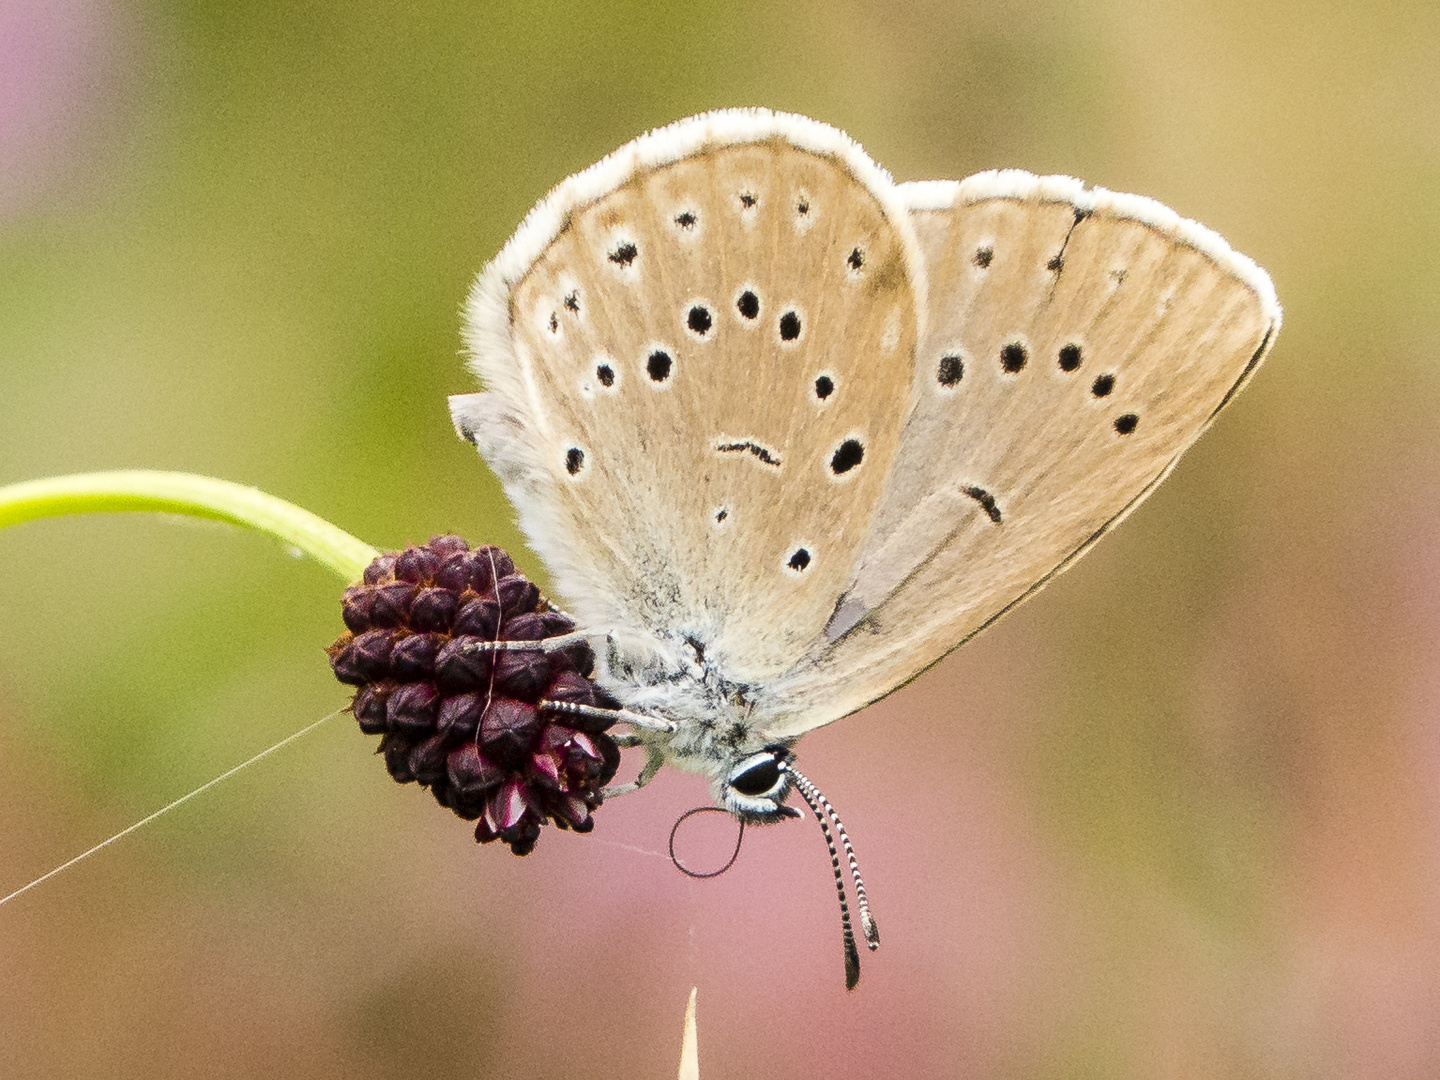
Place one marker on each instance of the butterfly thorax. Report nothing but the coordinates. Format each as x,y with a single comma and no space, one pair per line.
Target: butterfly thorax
717,717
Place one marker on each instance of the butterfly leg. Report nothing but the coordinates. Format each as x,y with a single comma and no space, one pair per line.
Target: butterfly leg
549,644
593,712
654,758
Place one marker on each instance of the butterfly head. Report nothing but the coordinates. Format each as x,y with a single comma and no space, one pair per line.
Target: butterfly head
756,786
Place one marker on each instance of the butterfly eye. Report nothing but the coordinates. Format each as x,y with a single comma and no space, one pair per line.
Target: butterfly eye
759,779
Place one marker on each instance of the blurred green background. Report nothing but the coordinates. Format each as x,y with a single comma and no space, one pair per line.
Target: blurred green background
1178,817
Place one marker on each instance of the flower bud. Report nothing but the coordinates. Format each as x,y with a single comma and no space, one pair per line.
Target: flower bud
365,659
491,564
517,594
471,772
433,610
479,618
444,545
412,708
355,608
416,564
369,708
382,569
391,604
506,731
413,658
460,715
427,760
459,666
454,573
522,674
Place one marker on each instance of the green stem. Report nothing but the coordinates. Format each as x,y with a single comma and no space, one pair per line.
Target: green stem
186,493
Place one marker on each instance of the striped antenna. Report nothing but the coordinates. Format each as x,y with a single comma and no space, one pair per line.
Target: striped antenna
862,902
816,802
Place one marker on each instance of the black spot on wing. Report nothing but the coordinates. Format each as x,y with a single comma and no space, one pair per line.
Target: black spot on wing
699,320
847,455
763,453
986,501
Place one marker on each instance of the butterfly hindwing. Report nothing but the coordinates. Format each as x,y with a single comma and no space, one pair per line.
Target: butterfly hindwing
1078,341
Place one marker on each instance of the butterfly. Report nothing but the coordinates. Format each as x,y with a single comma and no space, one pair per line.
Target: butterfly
786,433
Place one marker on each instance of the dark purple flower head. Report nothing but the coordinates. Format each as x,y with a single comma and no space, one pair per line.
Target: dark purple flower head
465,721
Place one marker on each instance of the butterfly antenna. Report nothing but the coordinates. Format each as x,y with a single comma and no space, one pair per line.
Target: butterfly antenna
862,902
815,800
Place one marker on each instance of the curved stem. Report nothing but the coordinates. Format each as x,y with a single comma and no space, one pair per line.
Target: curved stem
196,496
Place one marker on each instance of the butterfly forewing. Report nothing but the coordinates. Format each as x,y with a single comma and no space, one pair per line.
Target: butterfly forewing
1077,343
708,368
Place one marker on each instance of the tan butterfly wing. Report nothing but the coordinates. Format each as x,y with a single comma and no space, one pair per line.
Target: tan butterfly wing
699,359
1078,341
